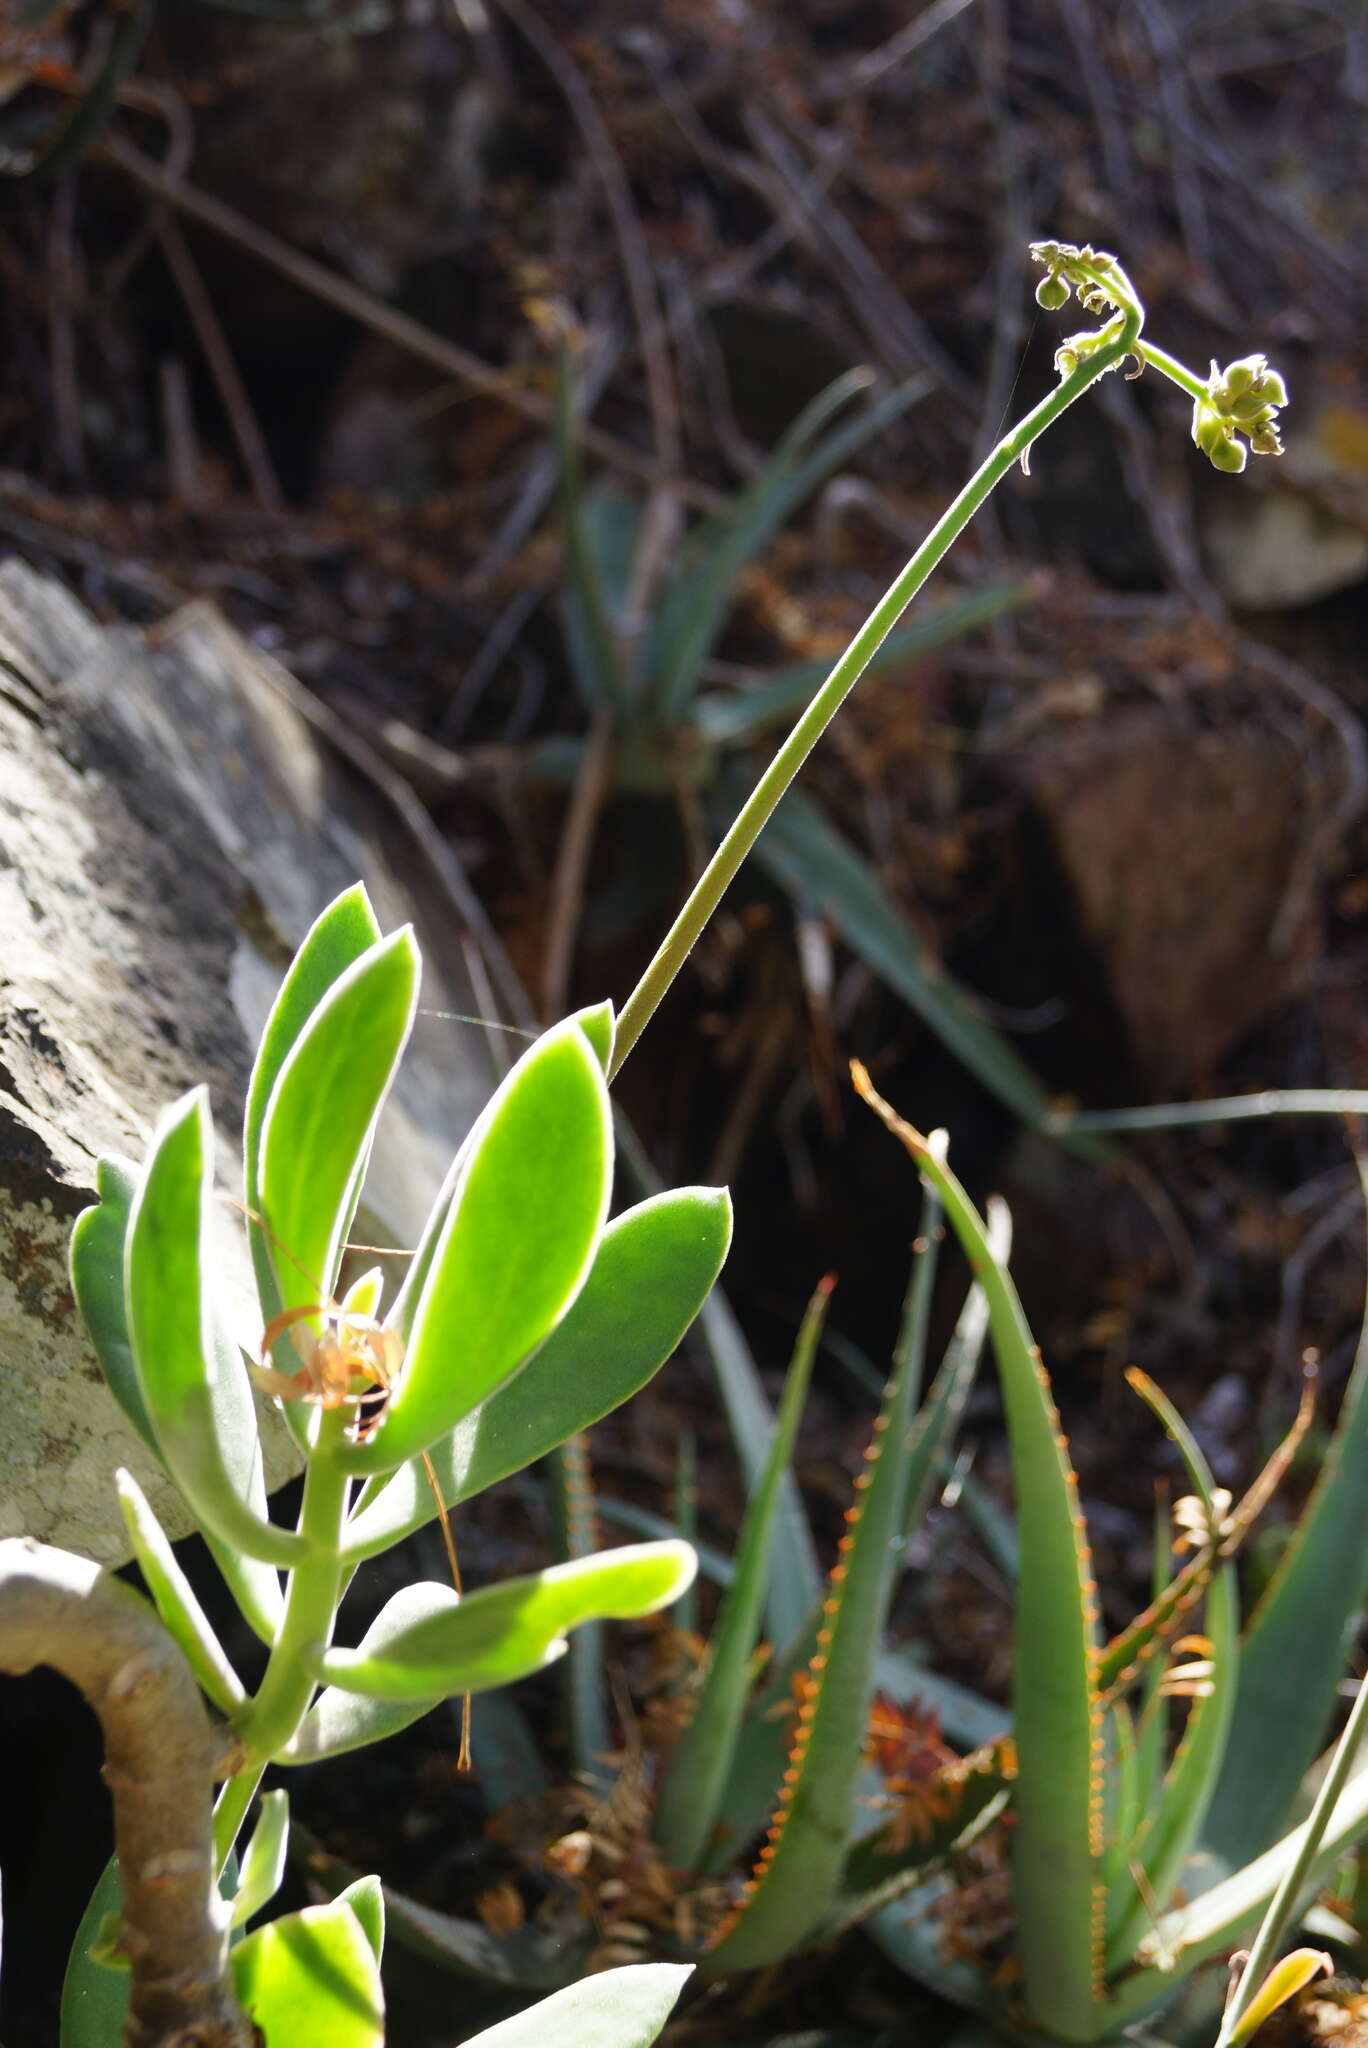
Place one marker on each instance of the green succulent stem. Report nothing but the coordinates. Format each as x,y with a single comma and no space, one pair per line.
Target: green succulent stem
1118,338
1170,367
311,1603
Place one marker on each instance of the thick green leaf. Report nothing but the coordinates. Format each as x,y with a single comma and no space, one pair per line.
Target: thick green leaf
696,1774
366,1897
174,1599
94,1997
311,1977
515,1250
764,1740
1056,1841
263,1861
504,1632
799,1872
98,1253
825,875
193,1383
624,2008
726,720
1298,1643
97,1281
345,931
322,1112
695,605
339,1721
598,1024
653,1268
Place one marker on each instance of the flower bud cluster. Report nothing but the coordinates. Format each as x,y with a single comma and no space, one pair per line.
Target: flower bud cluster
1068,269
1243,399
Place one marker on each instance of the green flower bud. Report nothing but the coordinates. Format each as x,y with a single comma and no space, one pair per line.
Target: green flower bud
1240,376
1227,454
1052,292
1253,406
1265,441
1271,388
1207,428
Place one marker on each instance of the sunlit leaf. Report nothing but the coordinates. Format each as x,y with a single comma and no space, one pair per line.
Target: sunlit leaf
321,1115
516,1247
506,1631
653,1268
624,2008
193,1382
312,1977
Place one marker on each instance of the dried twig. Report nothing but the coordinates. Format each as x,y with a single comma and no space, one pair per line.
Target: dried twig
363,306
161,1759
876,64
660,523
894,330
242,420
66,392
572,865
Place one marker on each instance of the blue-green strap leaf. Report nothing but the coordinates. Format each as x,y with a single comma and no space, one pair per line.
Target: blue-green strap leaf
193,1383
798,1874
1298,1642
1057,1845
696,1774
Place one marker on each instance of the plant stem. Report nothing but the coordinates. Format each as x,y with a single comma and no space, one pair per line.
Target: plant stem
1122,335
1169,366
230,1810
1283,1903
311,1604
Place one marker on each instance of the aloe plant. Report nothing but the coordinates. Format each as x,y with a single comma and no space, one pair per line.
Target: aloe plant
1109,1843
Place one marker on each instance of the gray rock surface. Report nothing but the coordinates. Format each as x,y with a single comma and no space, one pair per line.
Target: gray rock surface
171,821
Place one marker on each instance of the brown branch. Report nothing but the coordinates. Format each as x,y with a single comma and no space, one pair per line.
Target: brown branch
242,421
592,787
161,1755
363,306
